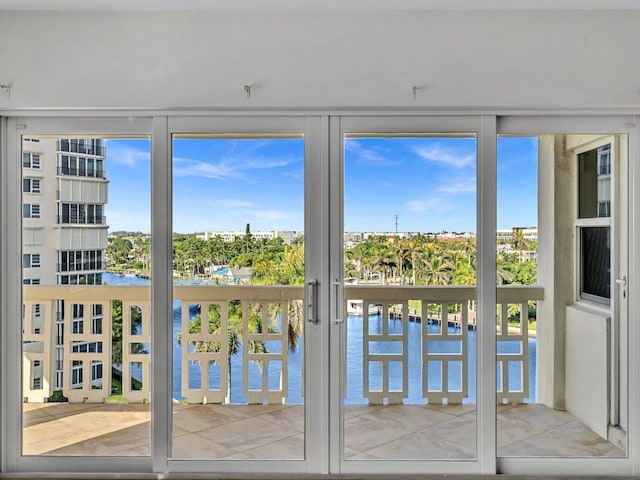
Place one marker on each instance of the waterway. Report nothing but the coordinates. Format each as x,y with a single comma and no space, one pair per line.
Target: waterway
354,360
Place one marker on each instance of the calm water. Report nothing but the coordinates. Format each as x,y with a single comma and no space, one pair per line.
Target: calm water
354,365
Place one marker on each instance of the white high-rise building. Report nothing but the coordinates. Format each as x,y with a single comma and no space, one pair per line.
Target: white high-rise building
64,231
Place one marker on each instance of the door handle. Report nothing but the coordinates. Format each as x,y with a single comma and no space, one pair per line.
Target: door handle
621,281
312,301
339,317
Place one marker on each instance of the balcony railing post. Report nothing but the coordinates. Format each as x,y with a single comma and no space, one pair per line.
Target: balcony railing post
381,348
214,350
456,351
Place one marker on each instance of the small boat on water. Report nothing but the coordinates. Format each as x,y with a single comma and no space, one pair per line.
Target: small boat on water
355,308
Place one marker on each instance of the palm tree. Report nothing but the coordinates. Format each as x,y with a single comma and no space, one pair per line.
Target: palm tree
351,264
287,270
400,250
504,268
457,258
470,249
247,240
436,270
519,242
384,266
414,245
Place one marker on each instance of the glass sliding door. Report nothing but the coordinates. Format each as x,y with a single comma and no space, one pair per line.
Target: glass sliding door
238,216
239,330
408,315
84,361
562,322
86,312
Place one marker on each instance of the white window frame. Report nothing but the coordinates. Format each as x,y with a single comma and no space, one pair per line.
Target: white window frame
77,326
30,260
33,162
77,374
31,185
581,223
33,210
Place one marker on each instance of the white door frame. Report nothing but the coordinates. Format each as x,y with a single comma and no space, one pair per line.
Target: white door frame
316,334
11,300
323,183
539,125
484,128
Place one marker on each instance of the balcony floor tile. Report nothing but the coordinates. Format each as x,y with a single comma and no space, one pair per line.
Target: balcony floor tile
244,432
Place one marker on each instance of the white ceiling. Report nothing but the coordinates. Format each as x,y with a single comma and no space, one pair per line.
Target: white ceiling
106,5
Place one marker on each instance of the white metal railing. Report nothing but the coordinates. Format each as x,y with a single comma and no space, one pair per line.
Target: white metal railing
444,340
517,336
254,300
40,336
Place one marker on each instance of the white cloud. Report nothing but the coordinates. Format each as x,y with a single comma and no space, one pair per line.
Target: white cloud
431,205
460,187
416,206
444,200
236,167
366,155
231,203
450,158
247,210
127,156
186,167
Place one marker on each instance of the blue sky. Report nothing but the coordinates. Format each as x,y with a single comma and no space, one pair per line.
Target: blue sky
129,172
223,184
428,182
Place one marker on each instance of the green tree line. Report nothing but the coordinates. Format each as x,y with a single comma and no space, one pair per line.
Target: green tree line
387,260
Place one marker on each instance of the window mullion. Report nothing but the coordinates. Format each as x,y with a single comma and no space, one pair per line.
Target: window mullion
11,299
161,293
486,294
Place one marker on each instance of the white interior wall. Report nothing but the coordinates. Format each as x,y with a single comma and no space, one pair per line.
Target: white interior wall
587,362
320,59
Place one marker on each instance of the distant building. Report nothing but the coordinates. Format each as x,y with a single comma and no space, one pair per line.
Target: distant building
366,235
64,237
239,276
229,236
353,238
506,235
503,236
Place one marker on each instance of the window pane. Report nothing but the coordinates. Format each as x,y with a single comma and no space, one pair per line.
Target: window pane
238,216
410,236
555,235
595,262
77,395
595,183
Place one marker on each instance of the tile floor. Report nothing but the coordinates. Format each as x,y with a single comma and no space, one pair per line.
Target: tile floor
243,432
